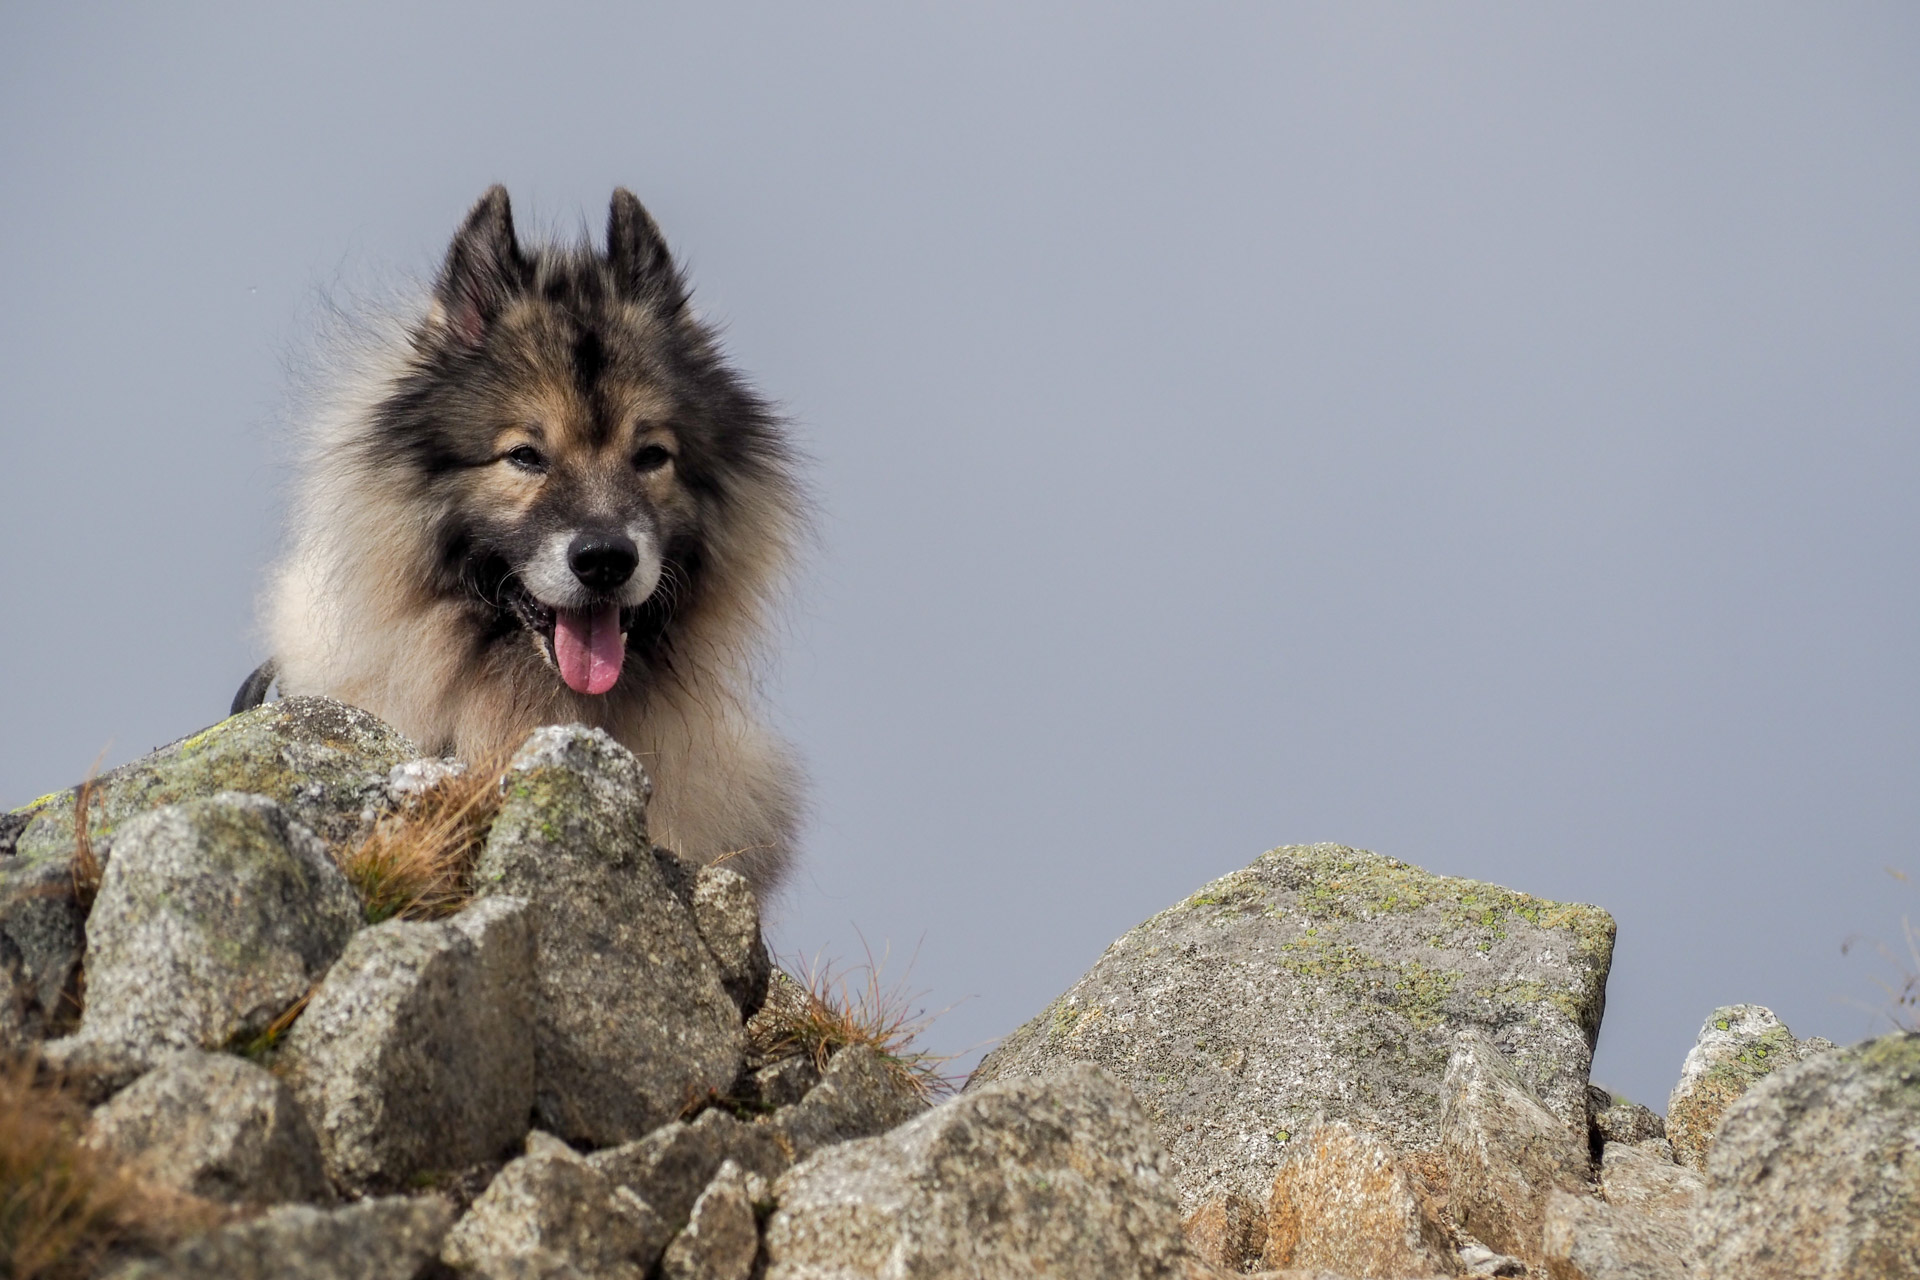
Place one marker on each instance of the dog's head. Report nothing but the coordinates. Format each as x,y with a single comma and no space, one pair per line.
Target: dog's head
574,442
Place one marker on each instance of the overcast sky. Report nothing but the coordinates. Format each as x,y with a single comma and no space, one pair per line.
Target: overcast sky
1482,434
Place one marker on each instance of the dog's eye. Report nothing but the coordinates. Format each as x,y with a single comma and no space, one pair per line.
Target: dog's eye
527,458
651,458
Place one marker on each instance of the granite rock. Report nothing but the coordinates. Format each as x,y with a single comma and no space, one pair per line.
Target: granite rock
550,1213
722,1235
1738,1045
1323,981
1341,1202
391,1239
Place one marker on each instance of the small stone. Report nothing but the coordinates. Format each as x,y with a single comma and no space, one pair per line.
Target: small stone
1816,1172
783,1082
391,1239
1738,1045
1229,1231
1341,1202
857,1097
669,1166
215,1126
631,1021
1638,1178
1324,982
1584,1239
721,1236
728,917
1617,1119
553,1209
1482,1261
214,917
1059,1177
416,1054
1504,1151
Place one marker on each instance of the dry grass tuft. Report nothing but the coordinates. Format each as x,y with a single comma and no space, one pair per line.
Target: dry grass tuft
86,862
64,1209
821,1012
418,863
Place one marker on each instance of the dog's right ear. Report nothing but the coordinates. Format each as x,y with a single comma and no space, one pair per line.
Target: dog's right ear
482,270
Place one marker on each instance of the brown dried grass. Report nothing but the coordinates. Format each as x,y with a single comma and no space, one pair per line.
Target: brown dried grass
821,1011
64,1208
418,862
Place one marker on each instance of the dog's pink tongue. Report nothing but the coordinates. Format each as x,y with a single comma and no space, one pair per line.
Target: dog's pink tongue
587,643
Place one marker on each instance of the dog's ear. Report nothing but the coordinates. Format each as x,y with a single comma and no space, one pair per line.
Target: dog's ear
642,265
482,270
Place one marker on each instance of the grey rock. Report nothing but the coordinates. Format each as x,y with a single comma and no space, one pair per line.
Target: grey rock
1738,1046
1482,1261
325,762
416,1054
857,1097
1323,981
1584,1239
42,941
413,779
1504,1151
631,1019
214,917
1341,1202
215,1126
782,1082
1816,1172
728,918
1060,1177
1617,1119
1228,1232
551,1213
391,1239
1636,1178
721,1236
669,1166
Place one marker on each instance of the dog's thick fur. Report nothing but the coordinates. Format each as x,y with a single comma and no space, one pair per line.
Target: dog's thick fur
541,398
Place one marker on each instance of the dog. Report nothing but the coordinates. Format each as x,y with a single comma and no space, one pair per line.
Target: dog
543,496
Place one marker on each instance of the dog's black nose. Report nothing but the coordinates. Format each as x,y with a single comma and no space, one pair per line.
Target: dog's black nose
602,561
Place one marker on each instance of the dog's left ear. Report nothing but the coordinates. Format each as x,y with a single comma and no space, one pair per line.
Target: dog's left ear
642,265
483,269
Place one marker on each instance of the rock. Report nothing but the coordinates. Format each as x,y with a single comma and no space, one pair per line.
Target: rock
669,1166
392,1239
1637,1179
324,761
722,1235
1816,1172
1228,1232
1738,1045
1059,1177
1616,1119
1324,981
551,1210
42,939
728,918
857,1097
631,1019
1482,1261
215,1126
1342,1203
781,1083
1504,1151
416,1054
214,917
1583,1239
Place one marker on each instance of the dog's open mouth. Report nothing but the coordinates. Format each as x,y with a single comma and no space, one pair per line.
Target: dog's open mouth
587,645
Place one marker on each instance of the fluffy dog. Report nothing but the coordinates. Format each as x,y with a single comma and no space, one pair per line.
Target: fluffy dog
544,497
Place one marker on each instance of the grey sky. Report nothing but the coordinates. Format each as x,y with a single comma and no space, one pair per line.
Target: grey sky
1481,434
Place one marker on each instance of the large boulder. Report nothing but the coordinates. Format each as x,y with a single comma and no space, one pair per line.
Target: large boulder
324,761
215,1126
214,917
632,1018
1816,1172
1324,982
1059,1177
1738,1046
416,1053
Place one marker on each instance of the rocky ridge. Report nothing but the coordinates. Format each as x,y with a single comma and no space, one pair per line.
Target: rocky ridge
1328,1064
